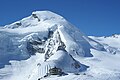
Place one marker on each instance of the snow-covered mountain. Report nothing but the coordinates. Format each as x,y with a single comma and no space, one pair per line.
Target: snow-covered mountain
31,47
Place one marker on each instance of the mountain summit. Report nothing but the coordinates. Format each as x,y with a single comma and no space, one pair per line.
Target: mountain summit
44,44
36,19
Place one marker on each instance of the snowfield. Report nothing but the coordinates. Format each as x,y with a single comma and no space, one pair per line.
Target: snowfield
31,47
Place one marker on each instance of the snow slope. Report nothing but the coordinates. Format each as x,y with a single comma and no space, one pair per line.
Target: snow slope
44,40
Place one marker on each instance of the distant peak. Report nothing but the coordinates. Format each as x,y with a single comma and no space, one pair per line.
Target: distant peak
115,35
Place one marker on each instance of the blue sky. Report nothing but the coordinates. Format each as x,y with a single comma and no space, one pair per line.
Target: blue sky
92,17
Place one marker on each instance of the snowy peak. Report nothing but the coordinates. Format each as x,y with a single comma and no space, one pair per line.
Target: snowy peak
47,39
47,15
31,35
38,18
38,26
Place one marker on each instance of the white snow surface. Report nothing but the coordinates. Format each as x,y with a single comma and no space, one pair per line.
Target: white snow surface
24,57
